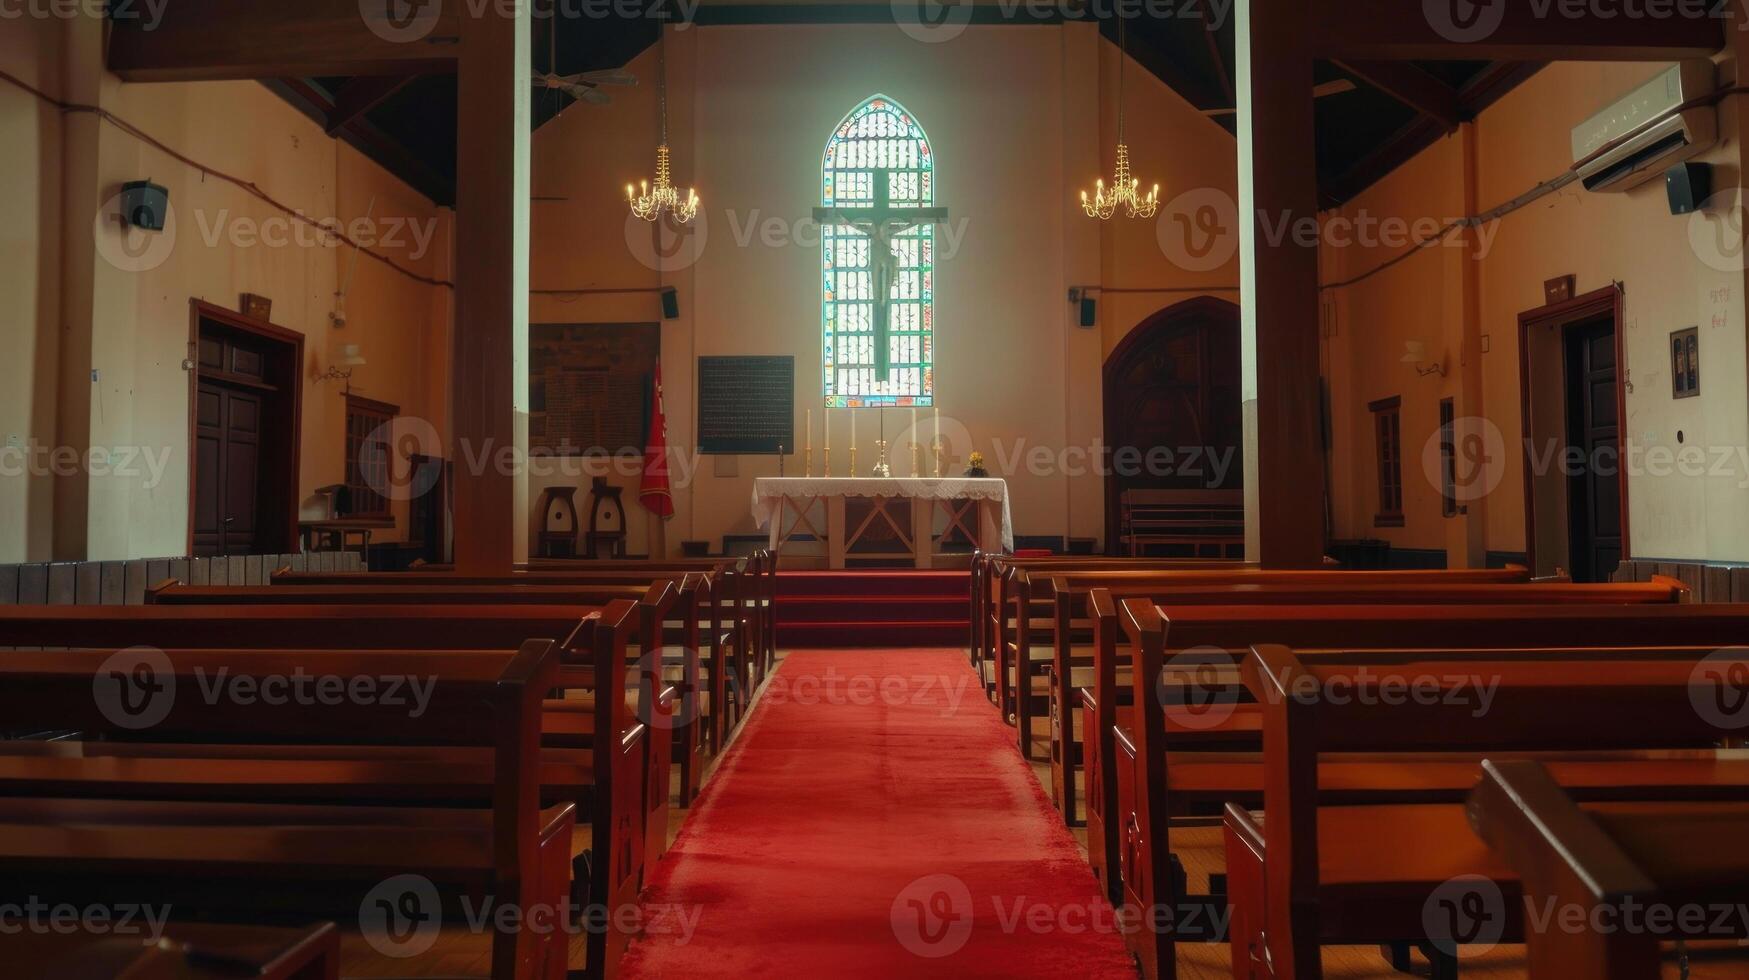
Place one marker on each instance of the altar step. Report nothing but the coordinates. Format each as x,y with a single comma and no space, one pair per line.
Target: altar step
870,608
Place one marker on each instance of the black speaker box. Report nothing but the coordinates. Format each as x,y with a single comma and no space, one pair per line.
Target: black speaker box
1089,310
144,204
1689,184
670,304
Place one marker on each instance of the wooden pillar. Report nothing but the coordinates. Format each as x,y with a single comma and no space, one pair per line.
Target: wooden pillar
1278,196
488,386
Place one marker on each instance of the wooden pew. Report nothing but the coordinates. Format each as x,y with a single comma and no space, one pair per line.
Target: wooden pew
1071,629
755,575
1660,857
1314,874
657,602
992,600
223,857
186,951
1134,746
729,601
1024,586
610,799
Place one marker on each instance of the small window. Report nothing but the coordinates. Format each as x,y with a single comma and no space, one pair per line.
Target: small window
367,455
1387,427
1448,457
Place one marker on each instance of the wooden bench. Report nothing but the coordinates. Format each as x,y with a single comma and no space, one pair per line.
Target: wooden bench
1134,748
1311,873
728,604
1022,585
610,799
1046,672
1662,858
185,951
225,857
658,602
1210,523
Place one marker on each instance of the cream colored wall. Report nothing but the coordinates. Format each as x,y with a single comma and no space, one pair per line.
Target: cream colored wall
1601,238
1014,118
121,380
30,245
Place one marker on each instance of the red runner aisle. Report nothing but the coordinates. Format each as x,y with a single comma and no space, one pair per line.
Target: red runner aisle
875,820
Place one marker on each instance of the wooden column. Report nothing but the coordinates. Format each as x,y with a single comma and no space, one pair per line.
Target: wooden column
491,295
1278,196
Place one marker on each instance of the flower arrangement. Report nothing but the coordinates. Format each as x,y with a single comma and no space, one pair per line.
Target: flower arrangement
975,466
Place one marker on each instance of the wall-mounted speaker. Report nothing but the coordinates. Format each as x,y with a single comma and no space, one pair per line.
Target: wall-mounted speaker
1689,184
1089,310
144,204
670,303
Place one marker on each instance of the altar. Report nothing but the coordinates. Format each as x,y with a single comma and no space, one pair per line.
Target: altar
865,519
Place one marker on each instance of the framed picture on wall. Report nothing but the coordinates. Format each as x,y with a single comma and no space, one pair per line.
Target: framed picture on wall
1685,363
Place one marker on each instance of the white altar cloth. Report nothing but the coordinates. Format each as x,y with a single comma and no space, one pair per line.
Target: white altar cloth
769,492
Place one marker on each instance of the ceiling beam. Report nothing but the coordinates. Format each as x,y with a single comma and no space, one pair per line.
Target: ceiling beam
361,95
1411,86
364,136
202,40
1223,74
1512,30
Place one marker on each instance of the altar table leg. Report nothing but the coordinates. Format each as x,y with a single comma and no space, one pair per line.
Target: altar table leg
835,532
923,532
990,526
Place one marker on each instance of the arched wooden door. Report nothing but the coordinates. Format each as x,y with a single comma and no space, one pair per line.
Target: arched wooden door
1173,384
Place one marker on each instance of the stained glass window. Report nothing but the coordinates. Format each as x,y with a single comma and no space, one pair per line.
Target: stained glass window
877,156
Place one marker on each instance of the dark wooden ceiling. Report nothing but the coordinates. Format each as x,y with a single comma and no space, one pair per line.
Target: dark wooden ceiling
1394,111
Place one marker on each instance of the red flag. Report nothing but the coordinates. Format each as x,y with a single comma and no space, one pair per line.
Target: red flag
653,492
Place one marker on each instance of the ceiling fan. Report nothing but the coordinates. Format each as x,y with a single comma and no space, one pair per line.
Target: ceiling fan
1337,87
584,86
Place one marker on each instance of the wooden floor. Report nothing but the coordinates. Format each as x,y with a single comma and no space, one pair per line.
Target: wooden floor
458,953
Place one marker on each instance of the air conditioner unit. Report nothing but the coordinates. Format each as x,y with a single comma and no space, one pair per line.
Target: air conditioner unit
1644,133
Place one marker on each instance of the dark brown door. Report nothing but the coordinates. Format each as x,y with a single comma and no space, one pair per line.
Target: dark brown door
1172,406
228,474
1593,427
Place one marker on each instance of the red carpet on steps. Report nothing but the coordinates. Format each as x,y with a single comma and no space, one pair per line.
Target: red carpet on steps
876,820
873,609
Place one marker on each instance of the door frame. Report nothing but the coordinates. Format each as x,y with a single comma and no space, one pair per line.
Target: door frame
1608,301
1211,308
292,344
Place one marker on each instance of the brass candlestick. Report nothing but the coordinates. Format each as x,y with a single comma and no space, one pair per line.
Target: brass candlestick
916,459
852,473
937,458
828,453
808,462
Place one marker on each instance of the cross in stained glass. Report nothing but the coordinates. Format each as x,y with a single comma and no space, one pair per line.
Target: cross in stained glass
882,224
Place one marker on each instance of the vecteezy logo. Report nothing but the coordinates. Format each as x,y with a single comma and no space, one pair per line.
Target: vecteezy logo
664,245
402,916
401,21
1477,453
932,21
1468,911
1719,688
1716,232
1200,686
135,688
387,457
932,916
1198,230
128,248
1464,21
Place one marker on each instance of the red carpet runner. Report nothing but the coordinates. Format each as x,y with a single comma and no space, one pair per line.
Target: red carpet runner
876,820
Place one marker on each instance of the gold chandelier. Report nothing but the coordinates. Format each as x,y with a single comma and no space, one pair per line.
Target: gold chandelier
649,202
1125,190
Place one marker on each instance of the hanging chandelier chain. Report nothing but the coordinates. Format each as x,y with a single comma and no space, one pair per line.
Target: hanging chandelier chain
664,196
1125,189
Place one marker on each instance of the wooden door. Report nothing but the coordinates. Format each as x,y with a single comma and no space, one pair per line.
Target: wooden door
1172,387
228,470
1593,427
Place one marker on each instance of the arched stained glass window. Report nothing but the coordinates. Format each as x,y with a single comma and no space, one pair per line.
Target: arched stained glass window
877,167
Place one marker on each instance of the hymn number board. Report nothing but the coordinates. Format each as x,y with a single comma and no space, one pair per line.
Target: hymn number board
589,387
746,405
